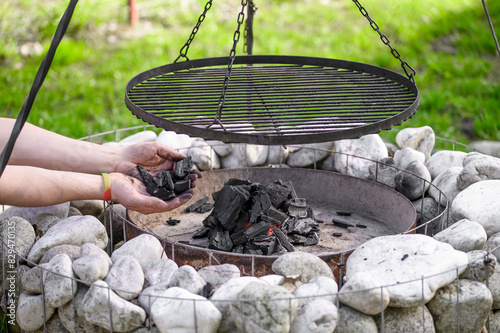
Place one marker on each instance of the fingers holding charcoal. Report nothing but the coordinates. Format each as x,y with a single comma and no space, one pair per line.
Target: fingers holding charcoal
169,184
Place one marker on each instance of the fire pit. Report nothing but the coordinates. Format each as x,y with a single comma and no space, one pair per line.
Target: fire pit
375,210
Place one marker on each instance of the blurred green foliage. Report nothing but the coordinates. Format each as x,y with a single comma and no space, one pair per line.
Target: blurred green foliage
448,42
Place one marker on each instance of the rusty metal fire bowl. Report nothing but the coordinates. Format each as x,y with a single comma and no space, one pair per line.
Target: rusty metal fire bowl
379,209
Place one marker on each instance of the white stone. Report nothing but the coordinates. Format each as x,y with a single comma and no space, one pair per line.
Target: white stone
30,312
126,277
364,293
203,156
394,260
480,202
442,160
144,136
320,287
187,277
446,182
245,155
58,281
260,307
463,235
74,230
219,274
406,320
318,316
30,213
369,147
474,303
277,155
91,268
31,281
145,248
477,269
275,279
305,264
493,245
72,315
184,312
413,183
159,271
308,154
17,235
89,249
222,149
100,302
44,222
351,321
180,142
478,167
487,147
420,138
223,297
427,209
150,294
494,287
384,172
72,251
405,156
88,207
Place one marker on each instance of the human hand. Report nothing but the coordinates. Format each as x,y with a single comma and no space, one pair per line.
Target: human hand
131,193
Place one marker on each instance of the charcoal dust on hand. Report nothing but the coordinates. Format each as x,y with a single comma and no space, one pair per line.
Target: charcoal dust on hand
168,184
257,219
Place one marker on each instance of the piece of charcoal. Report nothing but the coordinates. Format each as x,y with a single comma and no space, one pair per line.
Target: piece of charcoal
204,208
211,222
201,233
289,184
239,238
282,239
312,239
183,168
260,203
164,179
257,229
276,214
164,194
237,182
172,221
278,194
267,247
344,214
230,202
297,239
337,234
288,225
242,221
200,242
270,220
196,205
148,180
220,240
182,186
238,249
304,226
362,226
342,224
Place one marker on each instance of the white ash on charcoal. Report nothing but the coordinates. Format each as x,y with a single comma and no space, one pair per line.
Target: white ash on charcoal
257,219
168,184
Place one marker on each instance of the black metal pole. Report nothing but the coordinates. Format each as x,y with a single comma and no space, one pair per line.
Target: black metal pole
491,27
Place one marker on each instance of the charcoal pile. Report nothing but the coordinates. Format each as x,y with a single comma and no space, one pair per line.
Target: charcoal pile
257,219
168,184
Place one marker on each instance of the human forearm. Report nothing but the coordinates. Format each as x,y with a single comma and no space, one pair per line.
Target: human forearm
30,186
41,148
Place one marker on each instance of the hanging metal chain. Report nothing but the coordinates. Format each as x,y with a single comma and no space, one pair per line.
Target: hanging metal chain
185,48
410,72
232,55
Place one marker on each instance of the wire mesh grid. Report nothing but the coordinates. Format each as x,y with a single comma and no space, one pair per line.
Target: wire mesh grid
11,278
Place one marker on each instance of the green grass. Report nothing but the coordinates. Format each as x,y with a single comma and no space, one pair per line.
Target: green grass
448,43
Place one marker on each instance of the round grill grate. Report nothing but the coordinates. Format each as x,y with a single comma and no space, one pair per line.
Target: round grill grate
272,99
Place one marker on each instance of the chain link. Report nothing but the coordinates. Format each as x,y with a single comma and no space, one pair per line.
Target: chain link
248,33
184,49
409,71
232,55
